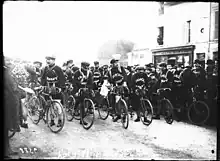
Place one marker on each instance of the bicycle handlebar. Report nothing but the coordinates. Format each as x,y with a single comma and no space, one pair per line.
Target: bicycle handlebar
42,88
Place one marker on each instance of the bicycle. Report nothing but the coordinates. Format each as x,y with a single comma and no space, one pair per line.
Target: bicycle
165,104
88,105
118,91
46,109
146,108
198,111
70,102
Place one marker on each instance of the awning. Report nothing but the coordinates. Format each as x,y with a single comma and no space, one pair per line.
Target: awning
173,50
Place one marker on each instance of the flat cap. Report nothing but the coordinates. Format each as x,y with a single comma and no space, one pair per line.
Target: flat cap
163,64
96,62
113,61
69,61
87,64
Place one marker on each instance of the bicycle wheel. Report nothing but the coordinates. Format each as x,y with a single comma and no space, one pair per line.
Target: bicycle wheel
103,109
146,112
11,133
124,113
88,118
55,112
34,109
70,105
198,112
168,110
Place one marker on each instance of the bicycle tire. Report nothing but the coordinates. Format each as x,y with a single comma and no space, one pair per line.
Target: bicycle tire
124,113
30,110
168,111
69,109
104,109
147,110
63,116
87,113
190,109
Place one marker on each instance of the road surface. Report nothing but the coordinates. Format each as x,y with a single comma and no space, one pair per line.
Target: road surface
108,140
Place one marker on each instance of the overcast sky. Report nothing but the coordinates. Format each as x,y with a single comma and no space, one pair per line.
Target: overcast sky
74,30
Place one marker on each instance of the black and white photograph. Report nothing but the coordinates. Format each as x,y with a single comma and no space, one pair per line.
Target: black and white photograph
110,80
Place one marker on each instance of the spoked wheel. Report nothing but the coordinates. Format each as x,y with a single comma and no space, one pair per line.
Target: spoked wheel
34,109
70,105
103,109
146,112
56,113
198,113
87,117
11,133
168,110
124,113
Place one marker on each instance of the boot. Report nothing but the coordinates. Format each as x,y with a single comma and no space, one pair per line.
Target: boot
52,123
84,122
59,123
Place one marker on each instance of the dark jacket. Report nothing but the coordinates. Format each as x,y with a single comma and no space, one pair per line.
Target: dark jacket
83,77
116,76
11,101
139,79
51,73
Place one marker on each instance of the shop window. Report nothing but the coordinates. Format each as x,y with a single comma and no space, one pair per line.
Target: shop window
180,59
186,60
160,59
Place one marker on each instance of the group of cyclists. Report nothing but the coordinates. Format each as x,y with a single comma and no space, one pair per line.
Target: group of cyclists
185,83
179,78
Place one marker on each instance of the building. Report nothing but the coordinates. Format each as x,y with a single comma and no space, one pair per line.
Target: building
186,31
139,56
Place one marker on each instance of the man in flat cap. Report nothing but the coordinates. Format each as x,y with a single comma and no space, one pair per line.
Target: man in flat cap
211,80
82,78
97,75
69,72
140,78
53,77
38,68
117,76
199,71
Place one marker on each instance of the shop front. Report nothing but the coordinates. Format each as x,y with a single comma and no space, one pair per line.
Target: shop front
182,54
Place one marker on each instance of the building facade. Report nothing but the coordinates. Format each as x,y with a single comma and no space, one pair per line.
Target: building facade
186,31
139,56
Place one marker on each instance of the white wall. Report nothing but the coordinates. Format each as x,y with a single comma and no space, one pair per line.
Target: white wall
175,20
134,57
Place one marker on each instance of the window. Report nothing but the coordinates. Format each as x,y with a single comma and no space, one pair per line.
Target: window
160,36
161,9
189,31
216,25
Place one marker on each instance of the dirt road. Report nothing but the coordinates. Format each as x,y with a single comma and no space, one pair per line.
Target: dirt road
108,140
